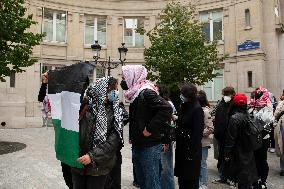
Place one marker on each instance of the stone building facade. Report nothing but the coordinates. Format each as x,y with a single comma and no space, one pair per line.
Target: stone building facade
251,32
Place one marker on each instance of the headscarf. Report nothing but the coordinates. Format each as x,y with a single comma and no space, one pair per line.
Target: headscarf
264,99
135,77
96,94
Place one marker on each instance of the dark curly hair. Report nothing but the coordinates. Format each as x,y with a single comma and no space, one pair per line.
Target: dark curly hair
202,98
189,91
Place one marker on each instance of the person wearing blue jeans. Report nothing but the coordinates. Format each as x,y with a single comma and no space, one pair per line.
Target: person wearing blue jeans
208,129
167,174
147,166
203,179
148,114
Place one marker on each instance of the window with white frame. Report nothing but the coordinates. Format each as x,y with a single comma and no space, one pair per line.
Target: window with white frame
131,37
213,89
54,25
212,25
95,29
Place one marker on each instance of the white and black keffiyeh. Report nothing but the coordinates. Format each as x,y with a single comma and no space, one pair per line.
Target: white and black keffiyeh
96,94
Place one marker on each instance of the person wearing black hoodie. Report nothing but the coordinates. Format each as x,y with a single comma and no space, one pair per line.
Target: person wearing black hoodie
222,115
189,133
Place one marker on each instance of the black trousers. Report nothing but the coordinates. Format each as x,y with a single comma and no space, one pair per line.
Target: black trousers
67,175
134,175
188,184
113,180
261,161
272,140
244,186
88,182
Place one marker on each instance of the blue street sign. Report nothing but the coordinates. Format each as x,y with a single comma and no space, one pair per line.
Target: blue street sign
249,45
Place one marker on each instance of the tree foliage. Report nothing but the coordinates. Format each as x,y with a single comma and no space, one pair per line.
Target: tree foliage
179,51
16,43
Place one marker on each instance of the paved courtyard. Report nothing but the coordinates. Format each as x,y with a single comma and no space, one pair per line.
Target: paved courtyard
35,167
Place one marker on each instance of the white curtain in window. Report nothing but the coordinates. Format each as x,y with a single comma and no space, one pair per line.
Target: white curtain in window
48,24
139,40
60,27
48,29
89,34
205,20
128,23
101,25
217,25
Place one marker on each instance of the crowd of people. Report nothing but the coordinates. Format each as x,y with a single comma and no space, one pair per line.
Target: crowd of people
242,132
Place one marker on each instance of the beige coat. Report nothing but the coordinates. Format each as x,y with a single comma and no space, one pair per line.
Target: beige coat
208,127
277,131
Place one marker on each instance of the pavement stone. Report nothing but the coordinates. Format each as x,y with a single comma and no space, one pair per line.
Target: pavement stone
36,167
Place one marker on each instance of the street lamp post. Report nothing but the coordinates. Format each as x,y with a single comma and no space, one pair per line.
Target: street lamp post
109,64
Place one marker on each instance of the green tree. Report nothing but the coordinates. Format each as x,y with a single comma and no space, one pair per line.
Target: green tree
179,51
16,43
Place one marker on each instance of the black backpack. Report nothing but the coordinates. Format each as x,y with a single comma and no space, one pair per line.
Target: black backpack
252,134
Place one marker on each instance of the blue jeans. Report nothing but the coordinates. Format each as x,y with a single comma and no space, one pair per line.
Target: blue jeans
221,171
203,178
147,163
167,175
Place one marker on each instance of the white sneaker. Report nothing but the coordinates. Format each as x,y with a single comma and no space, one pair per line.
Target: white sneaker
272,150
232,184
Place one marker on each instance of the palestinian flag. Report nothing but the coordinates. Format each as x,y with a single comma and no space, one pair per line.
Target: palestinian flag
65,88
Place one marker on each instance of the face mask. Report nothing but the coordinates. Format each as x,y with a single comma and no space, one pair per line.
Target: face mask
227,98
113,95
123,85
183,99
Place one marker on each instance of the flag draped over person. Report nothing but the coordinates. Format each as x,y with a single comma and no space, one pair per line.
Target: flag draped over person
65,89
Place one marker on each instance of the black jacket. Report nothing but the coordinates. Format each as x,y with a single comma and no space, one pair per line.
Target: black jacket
241,167
103,156
222,115
42,92
151,111
188,142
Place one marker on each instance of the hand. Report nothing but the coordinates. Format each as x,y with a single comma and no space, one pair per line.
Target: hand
85,160
45,77
146,133
166,148
174,117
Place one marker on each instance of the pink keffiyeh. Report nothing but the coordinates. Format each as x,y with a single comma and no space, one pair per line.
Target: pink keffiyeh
264,99
135,77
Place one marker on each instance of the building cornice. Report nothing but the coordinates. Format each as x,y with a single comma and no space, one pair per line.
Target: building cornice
105,7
